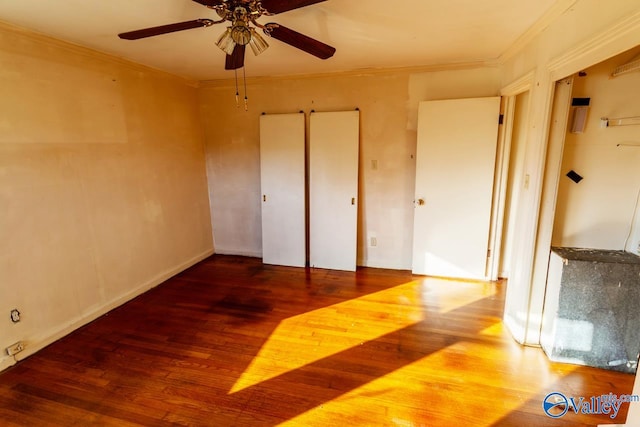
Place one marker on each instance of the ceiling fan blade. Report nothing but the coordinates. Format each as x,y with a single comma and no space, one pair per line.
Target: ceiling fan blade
209,2
164,29
236,59
279,6
302,42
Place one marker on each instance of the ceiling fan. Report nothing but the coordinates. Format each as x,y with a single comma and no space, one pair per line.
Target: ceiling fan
243,15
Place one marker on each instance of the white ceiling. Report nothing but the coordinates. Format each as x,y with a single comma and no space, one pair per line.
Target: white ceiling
366,33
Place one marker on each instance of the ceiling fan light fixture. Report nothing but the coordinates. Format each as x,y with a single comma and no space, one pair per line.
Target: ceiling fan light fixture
225,42
257,43
240,33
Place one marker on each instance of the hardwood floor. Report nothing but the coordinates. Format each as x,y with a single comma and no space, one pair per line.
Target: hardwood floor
231,342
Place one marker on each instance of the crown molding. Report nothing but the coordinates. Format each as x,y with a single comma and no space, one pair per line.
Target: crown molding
367,72
625,34
555,11
79,50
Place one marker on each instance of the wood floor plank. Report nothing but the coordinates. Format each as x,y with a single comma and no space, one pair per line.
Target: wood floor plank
233,342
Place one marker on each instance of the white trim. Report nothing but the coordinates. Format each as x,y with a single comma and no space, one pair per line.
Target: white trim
498,203
225,83
547,203
239,252
6,362
519,85
38,343
614,40
528,253
388,265
558,9
509,93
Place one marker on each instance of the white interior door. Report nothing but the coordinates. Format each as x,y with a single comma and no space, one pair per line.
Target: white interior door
282,175
454,183
333,189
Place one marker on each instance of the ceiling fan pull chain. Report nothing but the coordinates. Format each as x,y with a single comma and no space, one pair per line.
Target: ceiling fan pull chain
246,99
237,90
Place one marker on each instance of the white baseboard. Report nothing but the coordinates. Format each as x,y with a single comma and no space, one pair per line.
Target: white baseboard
388,265
239,252
6,362
38,343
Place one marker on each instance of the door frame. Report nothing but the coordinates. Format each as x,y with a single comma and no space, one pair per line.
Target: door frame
503,155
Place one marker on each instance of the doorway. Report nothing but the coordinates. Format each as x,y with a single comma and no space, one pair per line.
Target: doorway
529,267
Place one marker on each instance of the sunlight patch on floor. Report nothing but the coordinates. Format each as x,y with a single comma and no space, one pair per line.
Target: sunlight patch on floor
495,330
446,295
309,337
417,394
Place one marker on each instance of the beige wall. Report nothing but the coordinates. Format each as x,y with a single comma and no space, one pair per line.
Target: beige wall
102,185
598,212
388,103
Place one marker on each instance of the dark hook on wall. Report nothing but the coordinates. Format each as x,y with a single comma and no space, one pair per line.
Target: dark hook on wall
574,176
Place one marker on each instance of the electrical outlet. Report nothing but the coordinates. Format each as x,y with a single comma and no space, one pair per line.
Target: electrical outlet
15,348
374,241
15,315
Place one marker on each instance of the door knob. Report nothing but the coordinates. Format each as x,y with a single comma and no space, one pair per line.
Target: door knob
420,202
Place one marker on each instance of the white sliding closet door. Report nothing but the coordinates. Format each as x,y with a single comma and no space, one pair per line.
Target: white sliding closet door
282,174
333,189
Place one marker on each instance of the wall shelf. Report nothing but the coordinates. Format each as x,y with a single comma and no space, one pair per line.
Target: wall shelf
623,121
